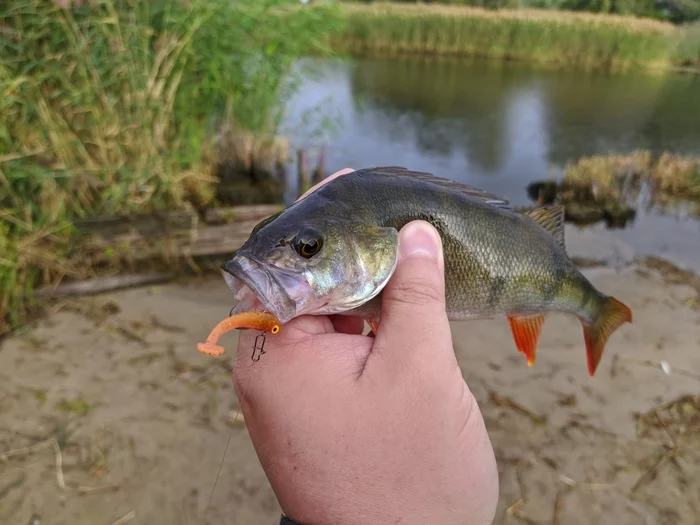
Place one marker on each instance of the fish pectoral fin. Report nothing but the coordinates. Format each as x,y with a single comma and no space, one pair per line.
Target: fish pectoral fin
526,333
373,325
552,220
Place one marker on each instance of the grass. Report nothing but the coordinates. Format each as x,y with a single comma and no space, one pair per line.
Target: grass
119,107
564,39
670,176
686,51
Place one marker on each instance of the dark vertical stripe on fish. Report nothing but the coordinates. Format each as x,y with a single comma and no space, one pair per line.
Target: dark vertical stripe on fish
496,288
552,291
586,297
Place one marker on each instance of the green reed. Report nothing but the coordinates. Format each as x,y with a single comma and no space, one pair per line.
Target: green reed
565,39
113,107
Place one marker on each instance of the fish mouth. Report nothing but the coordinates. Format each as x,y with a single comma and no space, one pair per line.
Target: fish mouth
258,289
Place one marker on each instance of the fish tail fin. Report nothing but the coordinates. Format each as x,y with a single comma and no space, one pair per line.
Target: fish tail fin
526,333
612,315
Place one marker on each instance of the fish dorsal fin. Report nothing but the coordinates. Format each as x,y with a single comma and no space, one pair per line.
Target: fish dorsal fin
466,189
552,220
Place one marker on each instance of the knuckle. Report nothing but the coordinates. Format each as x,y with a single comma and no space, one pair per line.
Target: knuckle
416,291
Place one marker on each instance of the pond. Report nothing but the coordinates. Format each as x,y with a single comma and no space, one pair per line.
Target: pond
499,126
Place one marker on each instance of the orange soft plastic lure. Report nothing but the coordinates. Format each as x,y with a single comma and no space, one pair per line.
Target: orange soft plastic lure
261,321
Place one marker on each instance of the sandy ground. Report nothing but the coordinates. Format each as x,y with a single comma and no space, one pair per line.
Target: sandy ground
143,419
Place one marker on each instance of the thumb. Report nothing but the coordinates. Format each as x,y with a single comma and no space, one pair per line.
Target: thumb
413,312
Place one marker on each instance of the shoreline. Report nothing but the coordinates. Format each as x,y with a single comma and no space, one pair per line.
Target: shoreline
557,433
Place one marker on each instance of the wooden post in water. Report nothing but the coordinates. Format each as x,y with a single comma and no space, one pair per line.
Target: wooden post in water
320,171
302,172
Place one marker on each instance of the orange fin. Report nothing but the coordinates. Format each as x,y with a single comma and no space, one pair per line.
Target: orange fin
526,332
613,315
373,325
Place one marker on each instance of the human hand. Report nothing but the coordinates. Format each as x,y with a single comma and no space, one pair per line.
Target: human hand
353,429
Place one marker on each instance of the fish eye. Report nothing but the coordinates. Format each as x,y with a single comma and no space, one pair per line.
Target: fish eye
308,242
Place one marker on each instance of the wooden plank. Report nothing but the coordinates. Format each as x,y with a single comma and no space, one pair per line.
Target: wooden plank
241,213
104,284
175,235
177,223
220,240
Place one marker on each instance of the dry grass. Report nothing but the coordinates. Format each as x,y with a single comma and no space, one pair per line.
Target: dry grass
246,149
110,108
602,177
543,15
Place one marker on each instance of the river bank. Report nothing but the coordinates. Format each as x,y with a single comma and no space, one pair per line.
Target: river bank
570,449
554,38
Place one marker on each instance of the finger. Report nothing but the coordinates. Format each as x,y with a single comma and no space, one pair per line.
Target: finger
345,324
306,339
326,180
329,358
414,322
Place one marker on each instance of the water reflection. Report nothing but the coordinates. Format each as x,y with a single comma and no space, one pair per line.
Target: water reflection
500,126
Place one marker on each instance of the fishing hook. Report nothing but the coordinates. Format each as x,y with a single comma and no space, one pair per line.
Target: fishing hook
257,348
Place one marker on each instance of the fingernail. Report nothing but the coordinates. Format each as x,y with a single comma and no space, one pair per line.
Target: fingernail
420,239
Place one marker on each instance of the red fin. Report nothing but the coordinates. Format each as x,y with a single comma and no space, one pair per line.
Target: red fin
373,325
526,332
613,315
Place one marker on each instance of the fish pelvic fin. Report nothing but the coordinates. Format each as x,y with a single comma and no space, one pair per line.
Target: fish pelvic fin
613,315
526,333
373,325
552,220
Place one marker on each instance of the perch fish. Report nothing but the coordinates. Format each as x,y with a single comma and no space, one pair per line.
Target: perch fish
334,250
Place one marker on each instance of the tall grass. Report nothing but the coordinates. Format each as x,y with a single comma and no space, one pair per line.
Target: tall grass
568,39
113,106
686,51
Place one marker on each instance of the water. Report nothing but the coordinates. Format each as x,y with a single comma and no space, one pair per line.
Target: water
500,126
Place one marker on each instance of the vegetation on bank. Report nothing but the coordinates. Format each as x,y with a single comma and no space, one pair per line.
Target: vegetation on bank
608,187
676,11
115,107
566,39
671,176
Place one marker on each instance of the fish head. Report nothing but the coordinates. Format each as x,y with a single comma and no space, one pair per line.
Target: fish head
311,264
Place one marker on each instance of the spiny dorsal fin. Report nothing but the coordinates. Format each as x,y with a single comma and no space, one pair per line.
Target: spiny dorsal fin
468,190
552,220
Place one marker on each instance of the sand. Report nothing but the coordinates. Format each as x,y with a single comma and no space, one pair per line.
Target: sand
142,419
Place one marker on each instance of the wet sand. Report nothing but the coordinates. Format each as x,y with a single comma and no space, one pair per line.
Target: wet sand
142,418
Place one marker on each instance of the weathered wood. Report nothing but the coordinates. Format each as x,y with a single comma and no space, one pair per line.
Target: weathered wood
178,223
320,171
104,284
137,239
302,172
220,240
217,216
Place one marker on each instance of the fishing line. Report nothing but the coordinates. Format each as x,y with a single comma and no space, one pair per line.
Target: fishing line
256,348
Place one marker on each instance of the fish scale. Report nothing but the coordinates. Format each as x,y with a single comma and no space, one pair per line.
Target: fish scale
500,276
497,261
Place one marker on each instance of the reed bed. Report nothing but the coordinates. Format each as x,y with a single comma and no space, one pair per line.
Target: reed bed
671,176
686,51
114,107
567,39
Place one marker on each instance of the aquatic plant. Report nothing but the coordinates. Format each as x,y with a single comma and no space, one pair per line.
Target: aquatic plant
600,177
